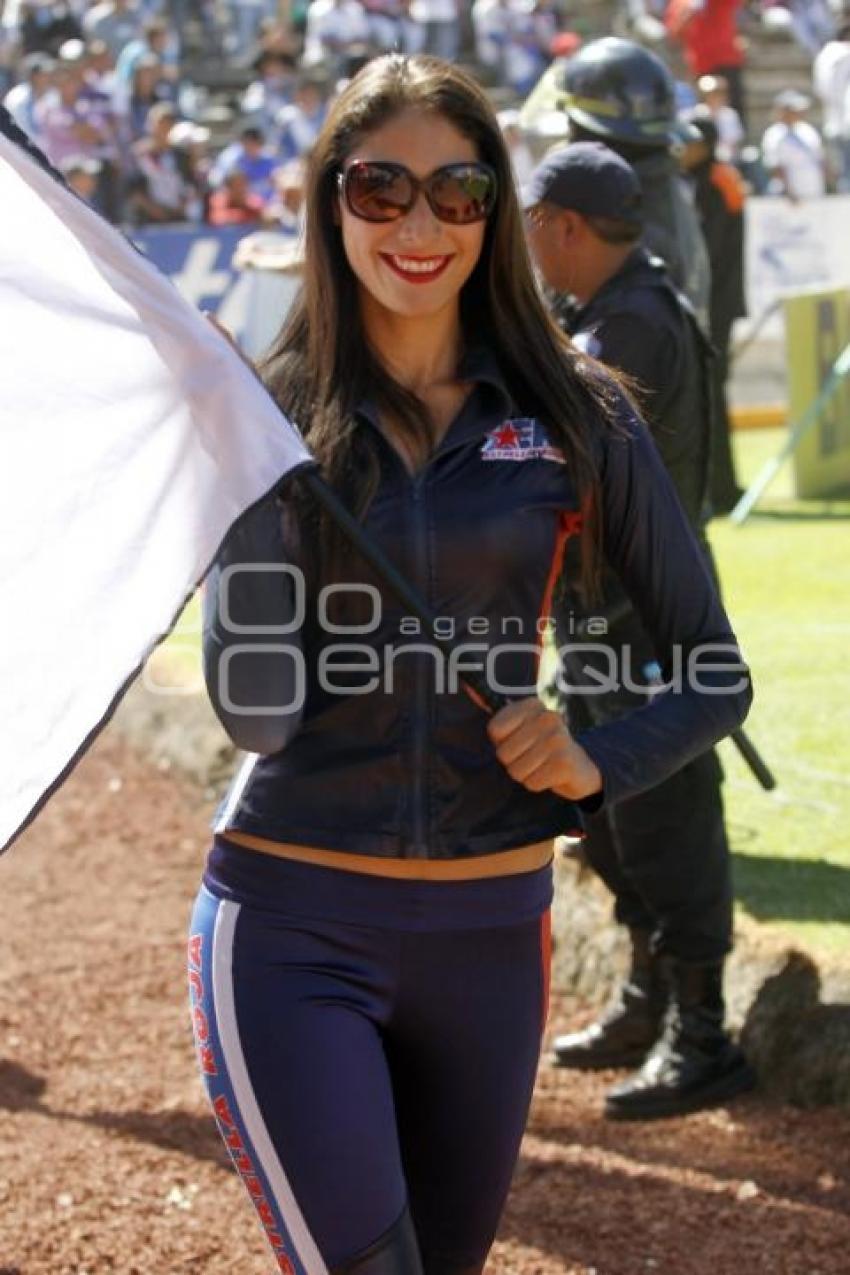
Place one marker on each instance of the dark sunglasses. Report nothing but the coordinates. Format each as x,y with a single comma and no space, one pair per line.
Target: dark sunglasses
381,191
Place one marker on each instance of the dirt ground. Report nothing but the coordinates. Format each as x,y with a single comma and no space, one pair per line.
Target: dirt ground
110,1163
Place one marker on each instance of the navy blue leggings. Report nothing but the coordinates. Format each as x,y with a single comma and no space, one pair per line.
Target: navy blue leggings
357,1069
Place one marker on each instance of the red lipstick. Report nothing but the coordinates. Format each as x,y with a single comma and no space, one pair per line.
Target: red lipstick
419,275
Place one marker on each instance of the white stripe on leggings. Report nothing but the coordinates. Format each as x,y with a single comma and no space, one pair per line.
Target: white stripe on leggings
236,790
246,1102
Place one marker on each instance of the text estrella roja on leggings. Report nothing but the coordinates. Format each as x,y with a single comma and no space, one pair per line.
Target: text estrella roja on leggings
224,1117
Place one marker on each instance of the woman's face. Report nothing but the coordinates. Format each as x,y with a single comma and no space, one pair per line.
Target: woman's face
415,266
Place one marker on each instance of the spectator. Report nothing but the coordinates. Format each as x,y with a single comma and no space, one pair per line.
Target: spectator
45,24
287,207
245,19
116,22
98,89
191,146
333,28
98,69
270,92
714,95
792,150
811,21
707,30
148,85
353,62
72,121
158,192
82,175
489,24
388,22
179,12
436,28
720,195
831,76
300,123
234,203
194,140
37,78
156,40
514,38
643,18
251,157
276,36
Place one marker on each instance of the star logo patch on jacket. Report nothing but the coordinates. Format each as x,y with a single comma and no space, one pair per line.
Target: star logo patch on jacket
521,439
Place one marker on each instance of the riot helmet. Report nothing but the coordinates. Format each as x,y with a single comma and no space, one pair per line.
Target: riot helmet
620,92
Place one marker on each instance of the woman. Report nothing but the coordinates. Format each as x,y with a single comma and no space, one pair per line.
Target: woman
368,957
148,86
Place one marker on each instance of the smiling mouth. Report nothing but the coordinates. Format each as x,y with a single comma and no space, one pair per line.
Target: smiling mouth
416,269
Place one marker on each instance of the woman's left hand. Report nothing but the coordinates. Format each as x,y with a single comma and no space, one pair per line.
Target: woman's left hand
534,745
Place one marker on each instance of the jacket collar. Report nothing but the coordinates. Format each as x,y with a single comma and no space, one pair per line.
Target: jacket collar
488,404
637,263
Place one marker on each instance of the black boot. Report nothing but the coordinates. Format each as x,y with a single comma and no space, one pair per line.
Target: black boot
626,1031
694,1064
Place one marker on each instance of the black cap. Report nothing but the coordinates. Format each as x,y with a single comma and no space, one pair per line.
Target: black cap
589,178
703,122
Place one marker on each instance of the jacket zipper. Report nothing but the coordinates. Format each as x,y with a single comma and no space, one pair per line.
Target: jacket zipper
421,719
421,706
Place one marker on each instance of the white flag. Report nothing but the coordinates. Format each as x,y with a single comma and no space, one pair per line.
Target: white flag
131,437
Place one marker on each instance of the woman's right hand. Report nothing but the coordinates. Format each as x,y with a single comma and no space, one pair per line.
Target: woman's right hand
535,746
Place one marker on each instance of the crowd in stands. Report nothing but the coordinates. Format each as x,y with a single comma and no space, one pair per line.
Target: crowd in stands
797,157
106,87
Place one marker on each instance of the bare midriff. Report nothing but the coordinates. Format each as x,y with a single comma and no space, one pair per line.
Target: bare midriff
506,863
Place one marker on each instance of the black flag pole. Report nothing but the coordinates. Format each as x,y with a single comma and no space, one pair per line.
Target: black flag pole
404,591
475,683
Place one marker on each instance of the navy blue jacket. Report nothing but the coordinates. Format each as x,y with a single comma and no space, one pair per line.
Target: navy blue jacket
404,767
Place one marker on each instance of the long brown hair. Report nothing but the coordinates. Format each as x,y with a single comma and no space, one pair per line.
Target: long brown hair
321,365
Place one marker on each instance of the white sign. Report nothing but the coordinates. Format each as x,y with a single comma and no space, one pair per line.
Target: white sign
794,248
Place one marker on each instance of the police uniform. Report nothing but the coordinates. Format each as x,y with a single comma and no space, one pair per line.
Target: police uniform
617,92
663,853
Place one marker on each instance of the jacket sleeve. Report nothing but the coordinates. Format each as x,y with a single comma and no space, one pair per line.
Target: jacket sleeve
649,544
253,611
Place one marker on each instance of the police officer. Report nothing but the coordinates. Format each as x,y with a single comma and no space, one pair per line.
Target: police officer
615,91
720,195
663,854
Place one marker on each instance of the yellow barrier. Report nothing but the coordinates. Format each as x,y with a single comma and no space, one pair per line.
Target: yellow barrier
817,336
758,416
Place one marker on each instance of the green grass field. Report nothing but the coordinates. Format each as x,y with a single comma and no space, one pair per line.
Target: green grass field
786,580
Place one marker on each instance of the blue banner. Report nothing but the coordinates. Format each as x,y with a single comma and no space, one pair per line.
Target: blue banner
198,261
